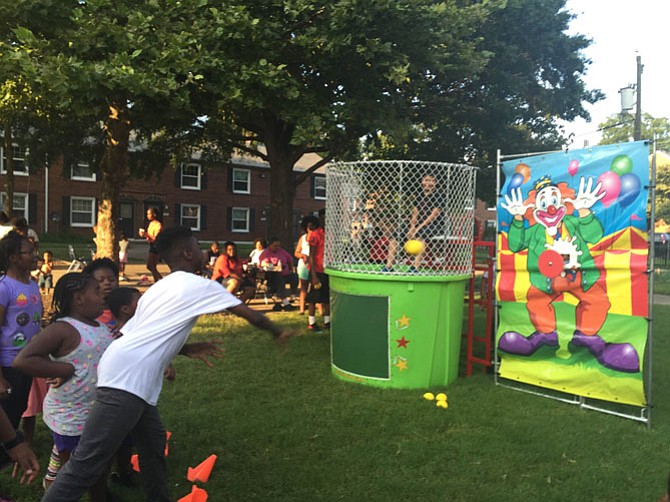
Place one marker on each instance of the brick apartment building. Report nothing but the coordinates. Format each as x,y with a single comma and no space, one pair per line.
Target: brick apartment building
223,202
229,201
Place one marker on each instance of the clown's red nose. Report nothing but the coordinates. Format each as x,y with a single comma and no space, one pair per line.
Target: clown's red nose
551,209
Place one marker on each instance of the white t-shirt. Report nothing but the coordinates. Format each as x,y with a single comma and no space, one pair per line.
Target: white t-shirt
165,315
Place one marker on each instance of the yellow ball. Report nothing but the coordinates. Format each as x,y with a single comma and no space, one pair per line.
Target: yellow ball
442,404
429,396
413,246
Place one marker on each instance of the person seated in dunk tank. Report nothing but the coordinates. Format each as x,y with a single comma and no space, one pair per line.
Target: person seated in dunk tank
426,222
229,270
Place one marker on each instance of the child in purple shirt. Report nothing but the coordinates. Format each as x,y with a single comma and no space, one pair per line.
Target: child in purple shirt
20,317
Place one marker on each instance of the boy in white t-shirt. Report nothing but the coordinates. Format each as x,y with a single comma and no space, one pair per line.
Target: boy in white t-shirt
130,374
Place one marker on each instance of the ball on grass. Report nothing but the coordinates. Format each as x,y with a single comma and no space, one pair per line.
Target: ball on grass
413,246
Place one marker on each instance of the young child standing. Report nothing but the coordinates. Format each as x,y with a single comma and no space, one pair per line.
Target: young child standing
122,303
106,273
45,278
20,316
68,351
131,371
123,255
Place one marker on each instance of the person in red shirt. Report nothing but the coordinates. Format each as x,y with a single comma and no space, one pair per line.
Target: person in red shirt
319,289
229,270
277,264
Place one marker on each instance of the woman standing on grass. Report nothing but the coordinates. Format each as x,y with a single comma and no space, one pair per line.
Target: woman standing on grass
153,229
302,254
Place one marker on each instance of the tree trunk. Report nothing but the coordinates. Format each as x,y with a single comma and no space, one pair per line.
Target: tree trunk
282,157
282,195
114,171
9,168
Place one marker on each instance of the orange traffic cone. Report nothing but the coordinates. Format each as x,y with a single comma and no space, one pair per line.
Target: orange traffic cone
167,438
196,495
135,462
201,472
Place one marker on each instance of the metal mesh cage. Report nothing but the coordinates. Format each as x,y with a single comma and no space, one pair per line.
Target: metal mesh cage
375,207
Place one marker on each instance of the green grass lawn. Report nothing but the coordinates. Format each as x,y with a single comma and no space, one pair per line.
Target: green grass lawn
662,282
286,430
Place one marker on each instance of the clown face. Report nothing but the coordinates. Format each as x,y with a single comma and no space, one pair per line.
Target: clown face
549,209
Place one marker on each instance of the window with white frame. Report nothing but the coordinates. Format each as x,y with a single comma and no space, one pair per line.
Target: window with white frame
190,216
241,181
190,176
19,205
81,171
19,157
82,211
320,187
240,219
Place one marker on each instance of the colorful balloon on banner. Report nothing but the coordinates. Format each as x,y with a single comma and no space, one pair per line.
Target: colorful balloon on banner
573,167
523,170
611,185
515,182
630,189
621,164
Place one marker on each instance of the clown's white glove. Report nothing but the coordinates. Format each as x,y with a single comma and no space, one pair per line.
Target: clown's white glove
586,196
514,204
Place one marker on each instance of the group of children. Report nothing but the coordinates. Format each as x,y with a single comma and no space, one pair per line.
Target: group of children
103,362
89,309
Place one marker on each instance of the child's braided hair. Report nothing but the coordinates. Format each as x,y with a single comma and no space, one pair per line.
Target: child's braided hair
64,292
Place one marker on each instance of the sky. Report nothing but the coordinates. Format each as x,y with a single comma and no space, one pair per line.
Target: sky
621,30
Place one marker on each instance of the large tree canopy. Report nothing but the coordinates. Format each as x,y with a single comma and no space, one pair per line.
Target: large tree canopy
447,80
307,76
112,70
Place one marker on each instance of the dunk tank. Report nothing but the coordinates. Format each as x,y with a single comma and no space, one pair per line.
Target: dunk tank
399,243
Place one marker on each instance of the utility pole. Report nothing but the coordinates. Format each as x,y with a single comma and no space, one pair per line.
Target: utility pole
637,131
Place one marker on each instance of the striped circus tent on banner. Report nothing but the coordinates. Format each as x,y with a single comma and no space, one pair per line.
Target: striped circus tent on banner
621,258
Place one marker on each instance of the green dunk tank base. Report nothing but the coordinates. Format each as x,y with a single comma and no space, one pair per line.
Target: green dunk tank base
396,331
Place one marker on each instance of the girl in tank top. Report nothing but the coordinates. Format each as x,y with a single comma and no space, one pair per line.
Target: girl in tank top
67,352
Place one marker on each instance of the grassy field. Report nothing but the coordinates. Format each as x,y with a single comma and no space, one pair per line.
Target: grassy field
662,282
286,430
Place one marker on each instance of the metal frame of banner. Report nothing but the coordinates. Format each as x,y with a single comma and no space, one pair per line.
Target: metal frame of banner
643,412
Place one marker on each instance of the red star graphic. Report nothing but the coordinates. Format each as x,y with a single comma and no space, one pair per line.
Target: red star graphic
402,342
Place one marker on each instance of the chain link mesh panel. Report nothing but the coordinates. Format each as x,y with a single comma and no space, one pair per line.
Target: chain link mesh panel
375,207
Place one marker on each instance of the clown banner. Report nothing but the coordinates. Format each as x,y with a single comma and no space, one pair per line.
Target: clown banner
572,260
